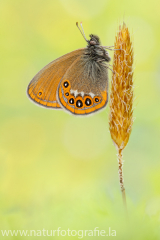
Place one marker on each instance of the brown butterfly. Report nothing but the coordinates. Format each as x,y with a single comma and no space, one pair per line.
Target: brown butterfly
77,81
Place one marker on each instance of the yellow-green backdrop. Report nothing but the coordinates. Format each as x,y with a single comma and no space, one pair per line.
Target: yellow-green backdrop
58,170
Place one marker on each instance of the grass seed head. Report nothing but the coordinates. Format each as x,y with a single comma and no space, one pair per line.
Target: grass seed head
121,97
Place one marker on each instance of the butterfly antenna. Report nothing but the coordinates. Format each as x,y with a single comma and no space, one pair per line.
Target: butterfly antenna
82,32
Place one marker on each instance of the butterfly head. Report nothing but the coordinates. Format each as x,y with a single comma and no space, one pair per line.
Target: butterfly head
94,40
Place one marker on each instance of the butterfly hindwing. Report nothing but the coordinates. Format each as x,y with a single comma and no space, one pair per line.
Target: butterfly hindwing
43,87
84,87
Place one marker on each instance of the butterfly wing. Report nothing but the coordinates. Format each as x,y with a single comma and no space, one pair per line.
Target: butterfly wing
84,87
42,88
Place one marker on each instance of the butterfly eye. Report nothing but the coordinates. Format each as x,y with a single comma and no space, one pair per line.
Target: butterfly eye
93,43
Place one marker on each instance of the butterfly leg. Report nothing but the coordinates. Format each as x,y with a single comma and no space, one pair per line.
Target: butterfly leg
109,48
110,69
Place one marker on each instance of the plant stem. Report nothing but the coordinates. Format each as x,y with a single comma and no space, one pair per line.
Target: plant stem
121,180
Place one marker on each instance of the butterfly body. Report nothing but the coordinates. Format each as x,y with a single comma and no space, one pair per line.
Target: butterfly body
77,81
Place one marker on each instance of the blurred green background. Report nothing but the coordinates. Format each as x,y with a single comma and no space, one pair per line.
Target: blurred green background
59,170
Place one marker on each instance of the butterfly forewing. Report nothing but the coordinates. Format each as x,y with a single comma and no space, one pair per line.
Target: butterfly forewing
43,87
83,88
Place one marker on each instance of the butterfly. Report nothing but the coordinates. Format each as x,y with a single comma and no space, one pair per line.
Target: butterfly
76,82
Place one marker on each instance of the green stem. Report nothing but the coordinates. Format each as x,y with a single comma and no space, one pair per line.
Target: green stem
121,179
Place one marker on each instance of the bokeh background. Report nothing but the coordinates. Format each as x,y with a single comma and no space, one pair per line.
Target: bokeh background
58,170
